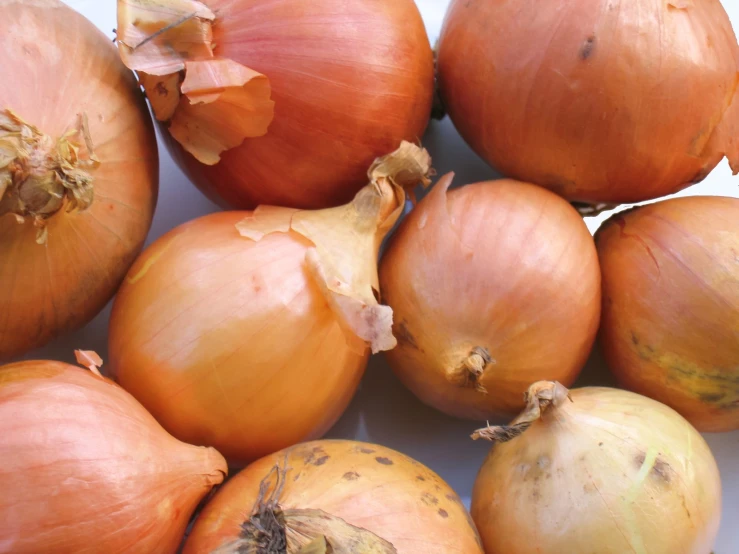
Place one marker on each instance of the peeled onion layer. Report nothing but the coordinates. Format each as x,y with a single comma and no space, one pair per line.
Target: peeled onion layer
596,469
492,285
78,172
250,331
670,327
589,98
335,84
335,496
86,469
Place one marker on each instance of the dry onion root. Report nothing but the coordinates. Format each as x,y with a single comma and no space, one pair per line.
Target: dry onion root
78,172
596,469
250,331
338,497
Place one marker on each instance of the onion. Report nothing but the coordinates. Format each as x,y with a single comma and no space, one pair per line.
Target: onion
670,326
344,81
253,339
589,98
78,172
605,470
492,285
87,470
343,497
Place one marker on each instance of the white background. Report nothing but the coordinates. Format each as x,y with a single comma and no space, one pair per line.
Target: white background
383,411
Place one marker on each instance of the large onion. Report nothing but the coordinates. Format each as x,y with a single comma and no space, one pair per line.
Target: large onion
670,326
343,497
348,80
591,98
598,470
493,286
86,470
255,338
78,172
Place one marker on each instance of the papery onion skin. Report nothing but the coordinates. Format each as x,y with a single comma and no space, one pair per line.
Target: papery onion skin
609,472
349,81
589,98
502,266
670,327
87,470
366,485
62,67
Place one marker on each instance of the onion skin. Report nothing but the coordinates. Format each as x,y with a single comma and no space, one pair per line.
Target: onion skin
366,485
504,266
70,68
670,327
610,471
87,470
589,98
350,79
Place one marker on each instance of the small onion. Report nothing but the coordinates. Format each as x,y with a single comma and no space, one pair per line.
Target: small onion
250,331
596,470
87,470
492,286
591,98
78,172
345,82
670,326
343,497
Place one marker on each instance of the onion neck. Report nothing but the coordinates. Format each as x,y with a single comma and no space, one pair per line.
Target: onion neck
469,372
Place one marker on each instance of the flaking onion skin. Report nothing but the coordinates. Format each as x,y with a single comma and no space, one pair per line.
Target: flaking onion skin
670,327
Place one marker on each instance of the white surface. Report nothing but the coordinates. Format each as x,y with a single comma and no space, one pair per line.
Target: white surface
383,411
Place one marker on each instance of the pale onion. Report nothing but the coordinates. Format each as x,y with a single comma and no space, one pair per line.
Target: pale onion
337,496
250,331
493,286
87,470
596,470
78,172
670,327
344,81
600,101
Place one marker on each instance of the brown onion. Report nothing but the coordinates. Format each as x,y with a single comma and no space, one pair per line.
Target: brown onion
348,82
670,326
78,172
492,285
590,99
87,470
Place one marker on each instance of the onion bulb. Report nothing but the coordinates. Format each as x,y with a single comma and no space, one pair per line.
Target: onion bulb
283,102
78,172
589,98
87,470
670,326
250,331
596,470
343,497
492,285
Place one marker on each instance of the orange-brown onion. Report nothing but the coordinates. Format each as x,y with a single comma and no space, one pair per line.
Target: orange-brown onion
58,69
86,469
603,470
349,81
589,98
393,503
492,285
670,327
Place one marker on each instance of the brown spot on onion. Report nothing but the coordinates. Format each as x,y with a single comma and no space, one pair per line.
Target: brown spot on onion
443,513
351,476
384,461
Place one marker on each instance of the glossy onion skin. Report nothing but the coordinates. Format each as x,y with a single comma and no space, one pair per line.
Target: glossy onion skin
87,470
350,80
501,265
366,485
61,66
588,98
610,472
670,326
229,343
